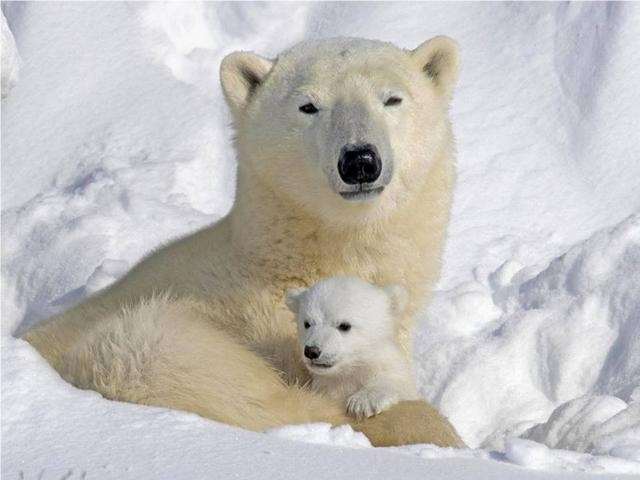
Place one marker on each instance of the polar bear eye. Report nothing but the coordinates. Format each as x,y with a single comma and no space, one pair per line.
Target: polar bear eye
344,327
306,324
308,108
391,101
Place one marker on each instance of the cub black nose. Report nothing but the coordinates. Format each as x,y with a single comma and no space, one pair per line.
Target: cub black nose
311,352
359,164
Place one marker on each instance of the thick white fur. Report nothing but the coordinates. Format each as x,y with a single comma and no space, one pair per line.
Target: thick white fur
201,324
361,365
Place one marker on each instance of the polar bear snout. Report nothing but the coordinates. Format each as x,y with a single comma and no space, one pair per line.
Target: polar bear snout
312,353
359,164
316,361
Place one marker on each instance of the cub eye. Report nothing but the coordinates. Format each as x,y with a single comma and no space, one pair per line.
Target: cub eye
344,327
308,108
391,101
306,325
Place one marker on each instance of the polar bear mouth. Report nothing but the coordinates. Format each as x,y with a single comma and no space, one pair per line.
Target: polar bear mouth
320,365
363,193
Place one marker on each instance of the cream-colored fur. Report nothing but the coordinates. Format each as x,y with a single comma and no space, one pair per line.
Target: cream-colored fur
201,325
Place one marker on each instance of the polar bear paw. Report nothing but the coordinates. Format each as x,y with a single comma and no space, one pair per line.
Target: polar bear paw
370,401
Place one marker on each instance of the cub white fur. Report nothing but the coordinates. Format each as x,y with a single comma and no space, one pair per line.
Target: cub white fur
347,333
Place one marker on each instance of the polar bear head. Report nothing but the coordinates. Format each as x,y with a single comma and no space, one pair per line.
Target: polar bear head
345,128
344,321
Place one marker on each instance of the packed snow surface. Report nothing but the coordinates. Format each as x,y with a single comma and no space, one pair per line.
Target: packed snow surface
115,139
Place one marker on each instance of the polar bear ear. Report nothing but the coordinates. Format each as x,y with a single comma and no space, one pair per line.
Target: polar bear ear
241,73
438,59
398,296
292,298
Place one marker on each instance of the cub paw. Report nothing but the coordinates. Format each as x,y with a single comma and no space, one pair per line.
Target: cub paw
370,401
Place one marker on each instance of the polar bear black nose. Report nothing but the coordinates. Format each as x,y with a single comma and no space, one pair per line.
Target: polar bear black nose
359,164
311,352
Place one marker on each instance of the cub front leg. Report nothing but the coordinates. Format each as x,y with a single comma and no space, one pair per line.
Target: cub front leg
371,400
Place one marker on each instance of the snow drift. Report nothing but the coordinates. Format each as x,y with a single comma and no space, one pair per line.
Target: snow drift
500,355
115,139
10,59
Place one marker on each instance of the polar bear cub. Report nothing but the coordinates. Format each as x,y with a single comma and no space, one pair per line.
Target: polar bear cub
347,332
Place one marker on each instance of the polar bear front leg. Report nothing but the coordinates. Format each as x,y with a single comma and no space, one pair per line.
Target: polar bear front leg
371,400
407,423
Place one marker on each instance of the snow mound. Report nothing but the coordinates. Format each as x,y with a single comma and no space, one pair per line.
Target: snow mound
602,425
501,354
10,67
322,433
527,453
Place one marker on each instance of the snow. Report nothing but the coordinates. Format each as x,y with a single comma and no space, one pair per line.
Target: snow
512,348
598,424
322,433
115,139
10,59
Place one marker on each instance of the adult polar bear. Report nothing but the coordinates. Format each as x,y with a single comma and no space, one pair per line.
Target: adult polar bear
345,167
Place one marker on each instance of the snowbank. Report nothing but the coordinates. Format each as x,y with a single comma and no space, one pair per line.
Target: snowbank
116,139
322,433
10,67
602,425
500,353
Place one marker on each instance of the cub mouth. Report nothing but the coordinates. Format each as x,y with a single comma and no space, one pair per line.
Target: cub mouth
321,365
362,193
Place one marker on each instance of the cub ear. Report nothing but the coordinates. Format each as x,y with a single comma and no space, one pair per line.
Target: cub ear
398,296
293,297
438,59
241,73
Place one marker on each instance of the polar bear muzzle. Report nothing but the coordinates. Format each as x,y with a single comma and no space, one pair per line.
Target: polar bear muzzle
360,166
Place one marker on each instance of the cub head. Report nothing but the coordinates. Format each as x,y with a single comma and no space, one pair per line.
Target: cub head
345,128
344,321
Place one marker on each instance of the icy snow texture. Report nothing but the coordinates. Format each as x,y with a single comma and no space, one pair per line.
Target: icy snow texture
116,139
